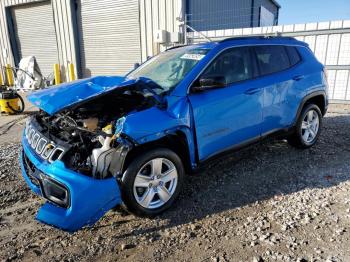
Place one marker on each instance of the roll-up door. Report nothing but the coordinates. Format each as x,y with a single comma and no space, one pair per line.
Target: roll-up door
35,34
109,36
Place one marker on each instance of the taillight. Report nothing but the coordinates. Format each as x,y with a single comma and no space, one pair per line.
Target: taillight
325,75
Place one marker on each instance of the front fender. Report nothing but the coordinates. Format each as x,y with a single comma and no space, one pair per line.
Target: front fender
154,124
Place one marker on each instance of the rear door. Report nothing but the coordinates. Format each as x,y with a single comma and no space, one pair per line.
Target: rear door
229,116
278,80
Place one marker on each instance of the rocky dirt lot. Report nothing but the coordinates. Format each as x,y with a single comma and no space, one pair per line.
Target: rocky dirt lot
269,202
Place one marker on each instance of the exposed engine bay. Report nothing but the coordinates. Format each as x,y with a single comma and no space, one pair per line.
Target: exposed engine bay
91,130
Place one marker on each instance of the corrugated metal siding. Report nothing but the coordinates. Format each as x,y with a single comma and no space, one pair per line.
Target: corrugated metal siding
20,2
4,40
268,4
152,15
205,15
62,10
158,15
35,33
109,36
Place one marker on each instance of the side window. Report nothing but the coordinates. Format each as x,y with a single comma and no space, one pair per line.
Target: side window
293,54
234,64
272,59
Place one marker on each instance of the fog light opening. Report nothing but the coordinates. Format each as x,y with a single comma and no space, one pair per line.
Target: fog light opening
55,192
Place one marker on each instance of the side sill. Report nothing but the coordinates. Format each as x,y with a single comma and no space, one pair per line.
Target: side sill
279,133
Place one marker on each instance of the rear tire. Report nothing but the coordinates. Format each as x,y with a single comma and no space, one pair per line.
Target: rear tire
308,127
152,182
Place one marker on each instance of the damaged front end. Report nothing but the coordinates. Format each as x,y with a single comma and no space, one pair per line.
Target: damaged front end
73,153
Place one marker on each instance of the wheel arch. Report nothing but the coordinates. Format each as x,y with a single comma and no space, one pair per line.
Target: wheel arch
176,141
318,98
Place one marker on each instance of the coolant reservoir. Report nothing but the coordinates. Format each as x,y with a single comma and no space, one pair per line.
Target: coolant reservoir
101,157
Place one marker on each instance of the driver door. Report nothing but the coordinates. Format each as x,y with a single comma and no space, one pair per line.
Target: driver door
229,116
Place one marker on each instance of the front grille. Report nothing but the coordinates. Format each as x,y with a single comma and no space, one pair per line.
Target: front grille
50,189
29,165
30,169
45,148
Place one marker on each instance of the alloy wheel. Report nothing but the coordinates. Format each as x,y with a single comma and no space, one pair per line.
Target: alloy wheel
155,183
310,126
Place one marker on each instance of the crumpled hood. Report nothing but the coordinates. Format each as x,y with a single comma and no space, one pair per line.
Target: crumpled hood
57,98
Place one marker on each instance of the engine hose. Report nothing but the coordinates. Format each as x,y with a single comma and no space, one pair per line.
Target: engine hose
22,107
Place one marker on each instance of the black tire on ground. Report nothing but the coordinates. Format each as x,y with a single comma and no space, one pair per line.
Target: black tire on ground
296,138
127,183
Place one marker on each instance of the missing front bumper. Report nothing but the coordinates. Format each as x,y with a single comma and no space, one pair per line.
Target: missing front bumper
85,200
50,189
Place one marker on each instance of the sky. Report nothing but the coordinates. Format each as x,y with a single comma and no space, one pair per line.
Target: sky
305,11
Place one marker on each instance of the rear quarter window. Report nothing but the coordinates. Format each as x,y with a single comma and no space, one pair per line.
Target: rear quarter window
293,54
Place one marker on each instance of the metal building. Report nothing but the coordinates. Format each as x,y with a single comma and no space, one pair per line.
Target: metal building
205,15
108,36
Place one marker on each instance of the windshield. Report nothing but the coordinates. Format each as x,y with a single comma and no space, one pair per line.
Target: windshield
169,68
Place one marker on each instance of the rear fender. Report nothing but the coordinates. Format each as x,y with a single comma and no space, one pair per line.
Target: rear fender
306,99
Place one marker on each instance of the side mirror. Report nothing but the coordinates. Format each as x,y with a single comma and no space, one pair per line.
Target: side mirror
136,65
211,82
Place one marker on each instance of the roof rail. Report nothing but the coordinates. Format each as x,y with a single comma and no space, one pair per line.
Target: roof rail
257,37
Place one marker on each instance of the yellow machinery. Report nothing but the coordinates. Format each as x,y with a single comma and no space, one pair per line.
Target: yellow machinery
10,102
9,99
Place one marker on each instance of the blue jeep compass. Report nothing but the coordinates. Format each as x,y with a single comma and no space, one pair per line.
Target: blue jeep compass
103,141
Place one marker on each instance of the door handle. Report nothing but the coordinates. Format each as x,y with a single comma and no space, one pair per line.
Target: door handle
252,91
298,78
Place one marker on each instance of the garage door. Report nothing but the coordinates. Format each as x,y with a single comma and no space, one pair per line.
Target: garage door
109,36
35,33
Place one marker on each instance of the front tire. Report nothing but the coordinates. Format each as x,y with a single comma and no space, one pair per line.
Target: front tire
152,182
308,127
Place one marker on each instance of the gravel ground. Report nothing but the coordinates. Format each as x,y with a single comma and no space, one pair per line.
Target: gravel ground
269,202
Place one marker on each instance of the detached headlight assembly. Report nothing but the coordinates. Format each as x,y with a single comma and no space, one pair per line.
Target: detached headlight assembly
119,126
